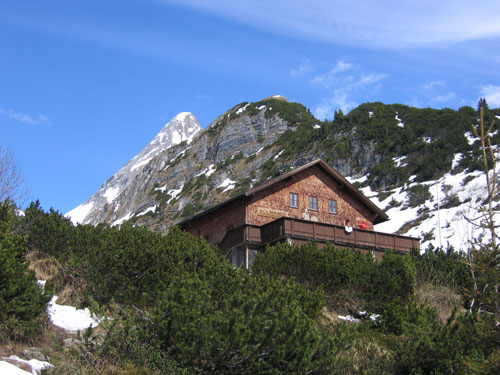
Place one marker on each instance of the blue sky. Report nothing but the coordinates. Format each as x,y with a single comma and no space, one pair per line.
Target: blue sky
85,85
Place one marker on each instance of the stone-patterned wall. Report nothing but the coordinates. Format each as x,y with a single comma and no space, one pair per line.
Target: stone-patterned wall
272,202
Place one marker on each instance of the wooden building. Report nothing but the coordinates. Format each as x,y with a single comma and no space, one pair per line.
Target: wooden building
313,202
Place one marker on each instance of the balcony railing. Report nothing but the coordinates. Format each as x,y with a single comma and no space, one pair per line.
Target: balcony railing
308,230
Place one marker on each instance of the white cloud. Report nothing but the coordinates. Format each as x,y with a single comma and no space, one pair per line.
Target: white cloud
492,95
22,117
445,98
302,69
327,107
370,79
332,76
393,24
347,81
430,86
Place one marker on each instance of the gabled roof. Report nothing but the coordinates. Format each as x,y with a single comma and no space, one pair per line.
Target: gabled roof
380,217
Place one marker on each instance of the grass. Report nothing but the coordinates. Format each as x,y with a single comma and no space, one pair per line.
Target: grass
444,299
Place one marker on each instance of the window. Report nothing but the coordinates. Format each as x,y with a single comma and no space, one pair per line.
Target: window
294,200
332,206
313,203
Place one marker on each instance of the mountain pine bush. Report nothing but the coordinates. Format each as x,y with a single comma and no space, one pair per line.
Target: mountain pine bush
22,303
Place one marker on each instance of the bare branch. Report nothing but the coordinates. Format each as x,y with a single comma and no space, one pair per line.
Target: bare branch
11,180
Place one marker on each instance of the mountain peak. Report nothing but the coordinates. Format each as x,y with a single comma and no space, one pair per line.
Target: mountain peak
182,116
276,97
183,127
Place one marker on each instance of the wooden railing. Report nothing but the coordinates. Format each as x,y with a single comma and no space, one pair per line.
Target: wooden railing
309,230
241,234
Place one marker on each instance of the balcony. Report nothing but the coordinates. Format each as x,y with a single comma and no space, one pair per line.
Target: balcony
301,231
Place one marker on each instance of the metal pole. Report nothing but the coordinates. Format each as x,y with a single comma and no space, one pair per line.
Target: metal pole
439,216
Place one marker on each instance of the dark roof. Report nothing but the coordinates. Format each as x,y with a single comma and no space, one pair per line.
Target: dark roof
381,216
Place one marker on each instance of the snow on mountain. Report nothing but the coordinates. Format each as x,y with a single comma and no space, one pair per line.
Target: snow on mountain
183,127
443,220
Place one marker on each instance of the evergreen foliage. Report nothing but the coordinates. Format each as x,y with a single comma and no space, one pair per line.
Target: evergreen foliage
179,308
22,304
336,269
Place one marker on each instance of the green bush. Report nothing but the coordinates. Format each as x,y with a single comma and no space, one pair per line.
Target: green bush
49,233
418,195
444,267
329,267
22,304
336,270
393,280
263,326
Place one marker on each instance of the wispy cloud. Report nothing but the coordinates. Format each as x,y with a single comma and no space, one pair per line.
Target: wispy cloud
347,80
393,24
339,100
304,68
432,85
23,117
332,76
445,98
492,95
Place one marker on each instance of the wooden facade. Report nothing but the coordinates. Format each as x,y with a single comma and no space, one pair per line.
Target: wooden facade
313,202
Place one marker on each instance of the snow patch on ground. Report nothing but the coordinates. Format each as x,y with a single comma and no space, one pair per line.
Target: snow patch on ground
470,138
242,109
111,193
317,126
358,180
41,283
211,170
149,209
70,318
278,154
349,318
427,139
36,366
208,171
228,184
78,214
123,219
144,160
181,153
399,162
174,193
261,107
162,188
7,368
370,114
400,122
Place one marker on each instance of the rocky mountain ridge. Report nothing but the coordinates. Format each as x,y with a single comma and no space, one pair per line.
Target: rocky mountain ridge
394,153
182,128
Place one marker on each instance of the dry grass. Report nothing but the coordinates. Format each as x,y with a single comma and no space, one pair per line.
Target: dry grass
45,267
367,357
329,317
444,299
72,293
344,301
69,290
